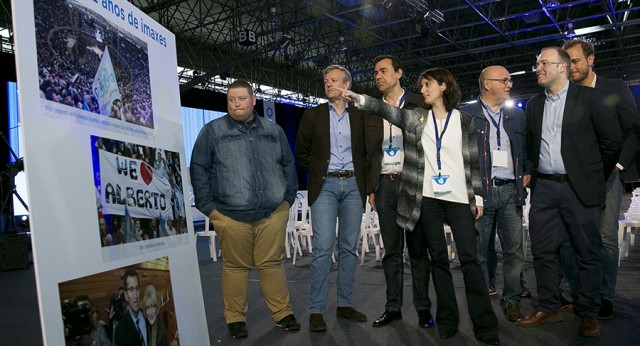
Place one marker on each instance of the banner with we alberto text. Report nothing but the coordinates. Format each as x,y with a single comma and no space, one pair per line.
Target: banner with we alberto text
135,185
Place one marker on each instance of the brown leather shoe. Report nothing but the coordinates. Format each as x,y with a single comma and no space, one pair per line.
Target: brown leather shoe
589,326
538,318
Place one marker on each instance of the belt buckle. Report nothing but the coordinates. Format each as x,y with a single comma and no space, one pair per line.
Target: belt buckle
493,183
343,174
391,176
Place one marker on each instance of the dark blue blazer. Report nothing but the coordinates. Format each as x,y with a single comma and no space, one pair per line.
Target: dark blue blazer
590,143
618,100
514,123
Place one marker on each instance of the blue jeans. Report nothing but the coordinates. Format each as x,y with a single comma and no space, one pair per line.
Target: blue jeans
507,217
609,235
339,198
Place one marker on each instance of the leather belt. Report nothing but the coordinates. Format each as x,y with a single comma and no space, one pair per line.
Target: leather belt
558,178
341,174
501,182
392,176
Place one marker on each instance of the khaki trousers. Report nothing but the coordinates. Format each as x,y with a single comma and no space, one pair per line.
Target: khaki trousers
244,243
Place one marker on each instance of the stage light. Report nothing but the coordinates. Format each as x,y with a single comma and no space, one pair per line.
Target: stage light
343,46
552,3
570,32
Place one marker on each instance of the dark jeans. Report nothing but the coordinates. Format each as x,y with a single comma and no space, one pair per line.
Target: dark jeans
386,198
492,257
430,236
609,235
556,209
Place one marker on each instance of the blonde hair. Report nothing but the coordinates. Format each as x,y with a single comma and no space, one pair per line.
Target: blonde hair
150,297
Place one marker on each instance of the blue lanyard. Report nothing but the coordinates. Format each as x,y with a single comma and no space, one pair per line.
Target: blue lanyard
495,124
439,138
400,105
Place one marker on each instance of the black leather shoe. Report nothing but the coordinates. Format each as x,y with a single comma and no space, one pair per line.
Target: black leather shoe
316,323
606,310
238,330
289,323
387,317
488,338
425,320
350,314
447,332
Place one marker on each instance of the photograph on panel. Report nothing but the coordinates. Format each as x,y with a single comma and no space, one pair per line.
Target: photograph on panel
133,305
91,66
139,192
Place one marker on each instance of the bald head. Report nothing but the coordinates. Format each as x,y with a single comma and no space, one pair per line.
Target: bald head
495,85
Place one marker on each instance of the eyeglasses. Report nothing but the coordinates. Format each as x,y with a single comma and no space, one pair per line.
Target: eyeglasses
543,64
504,81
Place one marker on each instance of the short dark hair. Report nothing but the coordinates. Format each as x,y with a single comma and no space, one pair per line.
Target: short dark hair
587,47
563,55
451,96
127,274
395,62
241,83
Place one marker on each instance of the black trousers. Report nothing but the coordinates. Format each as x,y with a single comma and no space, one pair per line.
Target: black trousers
430,236
386,198
557,210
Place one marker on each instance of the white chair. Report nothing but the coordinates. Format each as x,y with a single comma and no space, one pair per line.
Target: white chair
290,231
369,230
626,238
525,223
450,243
211,234
303,230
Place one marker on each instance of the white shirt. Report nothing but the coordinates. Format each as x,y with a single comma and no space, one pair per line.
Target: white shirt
450,158
392,145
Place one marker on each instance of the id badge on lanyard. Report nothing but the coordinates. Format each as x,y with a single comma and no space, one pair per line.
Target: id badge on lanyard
499,158
440,183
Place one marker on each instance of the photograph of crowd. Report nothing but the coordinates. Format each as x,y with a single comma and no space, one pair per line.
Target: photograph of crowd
124,306
86,62
139,193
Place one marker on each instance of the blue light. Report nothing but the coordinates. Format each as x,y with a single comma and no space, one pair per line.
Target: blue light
519,104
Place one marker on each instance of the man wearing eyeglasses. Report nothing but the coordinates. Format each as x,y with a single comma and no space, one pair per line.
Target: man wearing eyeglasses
501,145
132,328
572,147
619,100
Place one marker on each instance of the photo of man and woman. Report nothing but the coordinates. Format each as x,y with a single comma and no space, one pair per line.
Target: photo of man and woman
133,305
